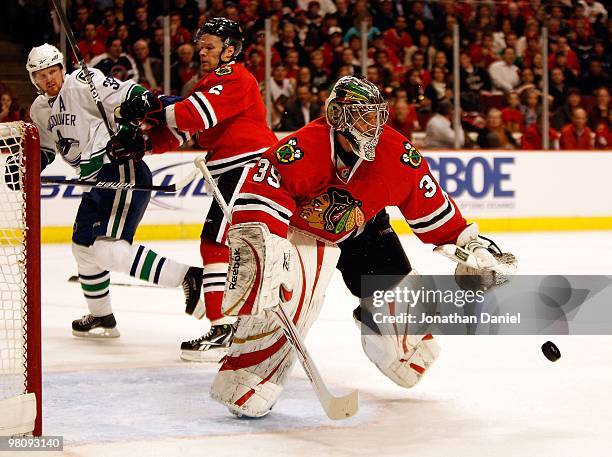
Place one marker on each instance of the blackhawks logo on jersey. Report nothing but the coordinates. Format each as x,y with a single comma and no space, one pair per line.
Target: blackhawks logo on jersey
224,70
411,157
335,211
289,152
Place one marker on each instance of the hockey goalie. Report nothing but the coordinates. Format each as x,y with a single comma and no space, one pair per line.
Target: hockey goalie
314,202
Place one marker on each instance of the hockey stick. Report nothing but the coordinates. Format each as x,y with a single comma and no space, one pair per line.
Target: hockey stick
112,185
336,408
77,52
75,278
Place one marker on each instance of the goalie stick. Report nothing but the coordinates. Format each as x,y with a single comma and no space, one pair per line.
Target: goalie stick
113,185
77,52
336,408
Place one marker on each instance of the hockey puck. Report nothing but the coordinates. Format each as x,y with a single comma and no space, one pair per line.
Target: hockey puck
551,351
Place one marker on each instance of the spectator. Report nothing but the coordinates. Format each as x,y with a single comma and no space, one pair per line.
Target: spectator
511,115
532,137
325,6
333,46
577,136
123,33
599,52
301,111
418,64
474,82
600,113
279,84
140,28
9,110
291,63
385,18
439,133
404,119
178,34
184,69
150,69
527,81
397,38
156,46
594,11
288,40
415,92
438,90
347,59
116,63
495,135
90,46
255,64
422,45
530,108
595,78
189,11
563,114
318,71
109,25
558,89
313,14
304,78
504,74
344,15
356,29
82,18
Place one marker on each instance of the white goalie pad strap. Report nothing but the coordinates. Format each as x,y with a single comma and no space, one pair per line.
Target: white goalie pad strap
397,350
476,253
260,358
259,263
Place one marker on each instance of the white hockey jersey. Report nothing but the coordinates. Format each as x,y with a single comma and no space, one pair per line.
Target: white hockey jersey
70,124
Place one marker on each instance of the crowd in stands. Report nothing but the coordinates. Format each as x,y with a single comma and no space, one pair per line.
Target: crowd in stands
409,56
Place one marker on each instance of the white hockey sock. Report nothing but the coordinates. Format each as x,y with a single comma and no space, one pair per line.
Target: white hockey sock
139,262
94,281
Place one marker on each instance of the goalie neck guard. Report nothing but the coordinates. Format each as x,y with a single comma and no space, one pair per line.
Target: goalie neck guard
357,110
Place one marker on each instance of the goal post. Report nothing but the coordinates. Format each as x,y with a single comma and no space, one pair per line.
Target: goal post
20,326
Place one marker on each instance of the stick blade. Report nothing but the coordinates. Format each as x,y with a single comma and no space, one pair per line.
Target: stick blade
339,408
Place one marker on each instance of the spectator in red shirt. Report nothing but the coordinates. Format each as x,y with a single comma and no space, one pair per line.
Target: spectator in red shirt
178,34
532,137
404,119
418,64
255,64
109,25
511,114
577,136
91,46
396,38
291,63
9,110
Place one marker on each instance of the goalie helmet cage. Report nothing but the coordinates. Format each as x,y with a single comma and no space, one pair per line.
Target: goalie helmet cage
20,326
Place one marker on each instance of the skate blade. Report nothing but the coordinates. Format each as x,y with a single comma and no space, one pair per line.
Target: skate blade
209,356
98,333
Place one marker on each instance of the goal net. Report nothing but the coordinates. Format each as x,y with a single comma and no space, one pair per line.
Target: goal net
20,360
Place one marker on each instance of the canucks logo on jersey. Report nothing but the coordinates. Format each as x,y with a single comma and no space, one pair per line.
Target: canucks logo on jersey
289,152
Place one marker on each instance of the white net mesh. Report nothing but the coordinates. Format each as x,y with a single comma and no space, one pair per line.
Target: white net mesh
12,261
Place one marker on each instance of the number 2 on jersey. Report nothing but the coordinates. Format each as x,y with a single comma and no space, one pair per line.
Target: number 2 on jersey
264,166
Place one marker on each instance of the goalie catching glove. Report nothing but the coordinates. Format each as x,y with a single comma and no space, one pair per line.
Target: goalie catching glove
260,270
129,143
479,260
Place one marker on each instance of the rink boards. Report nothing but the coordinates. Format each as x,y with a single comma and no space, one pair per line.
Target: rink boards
502,190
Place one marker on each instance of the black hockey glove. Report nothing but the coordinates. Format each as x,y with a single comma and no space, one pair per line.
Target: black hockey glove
129,143
146,106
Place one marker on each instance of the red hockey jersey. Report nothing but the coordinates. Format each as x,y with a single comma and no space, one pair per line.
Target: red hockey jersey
227,110
297,183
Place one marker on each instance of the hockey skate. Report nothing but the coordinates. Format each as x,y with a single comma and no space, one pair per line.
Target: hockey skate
192,287
210,347
91,326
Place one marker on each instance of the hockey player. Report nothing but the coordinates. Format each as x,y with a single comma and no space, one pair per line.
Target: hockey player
316,200
226,110
70,125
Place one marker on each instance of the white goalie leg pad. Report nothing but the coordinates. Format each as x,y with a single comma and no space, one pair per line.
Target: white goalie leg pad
401,356
259,263
258,362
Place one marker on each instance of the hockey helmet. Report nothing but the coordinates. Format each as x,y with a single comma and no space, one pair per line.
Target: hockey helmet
358,111
42,57
229,31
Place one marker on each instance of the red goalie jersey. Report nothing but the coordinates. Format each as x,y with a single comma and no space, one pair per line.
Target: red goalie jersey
296,183
227,110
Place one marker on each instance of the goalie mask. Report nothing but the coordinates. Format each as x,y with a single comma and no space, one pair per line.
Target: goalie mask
229,31
42,57
357,110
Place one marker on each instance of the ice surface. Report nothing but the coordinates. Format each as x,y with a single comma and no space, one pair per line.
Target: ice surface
485,396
